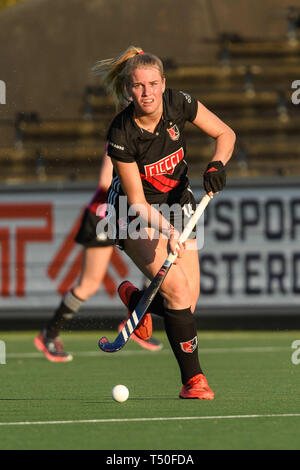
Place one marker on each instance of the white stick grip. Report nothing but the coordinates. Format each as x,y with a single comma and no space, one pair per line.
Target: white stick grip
191,223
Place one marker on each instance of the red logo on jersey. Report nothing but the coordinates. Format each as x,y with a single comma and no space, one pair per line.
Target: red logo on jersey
174,132
166,165
189,346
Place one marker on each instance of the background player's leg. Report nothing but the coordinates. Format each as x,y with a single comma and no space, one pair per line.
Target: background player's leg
95,261
94,267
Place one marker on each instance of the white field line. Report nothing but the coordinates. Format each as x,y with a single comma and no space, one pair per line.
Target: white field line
250,349
134,420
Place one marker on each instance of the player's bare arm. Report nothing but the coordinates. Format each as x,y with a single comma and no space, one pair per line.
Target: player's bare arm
105,174
213,126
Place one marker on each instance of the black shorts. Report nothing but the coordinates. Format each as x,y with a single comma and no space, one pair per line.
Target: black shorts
119,225
89,235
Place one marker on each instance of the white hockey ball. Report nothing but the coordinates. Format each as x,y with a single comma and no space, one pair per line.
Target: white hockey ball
120,393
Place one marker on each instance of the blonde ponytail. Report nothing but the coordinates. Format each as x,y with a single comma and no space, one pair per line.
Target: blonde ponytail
115,72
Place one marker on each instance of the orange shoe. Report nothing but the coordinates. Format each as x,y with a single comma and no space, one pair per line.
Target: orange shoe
151,344
197,387
144,329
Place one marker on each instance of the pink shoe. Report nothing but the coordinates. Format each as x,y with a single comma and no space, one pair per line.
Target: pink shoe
53,348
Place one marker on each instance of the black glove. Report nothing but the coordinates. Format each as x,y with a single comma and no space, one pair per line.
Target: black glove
214,178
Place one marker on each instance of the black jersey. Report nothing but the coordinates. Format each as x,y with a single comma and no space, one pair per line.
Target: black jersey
160,156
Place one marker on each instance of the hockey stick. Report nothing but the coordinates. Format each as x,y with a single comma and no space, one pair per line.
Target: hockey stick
149,294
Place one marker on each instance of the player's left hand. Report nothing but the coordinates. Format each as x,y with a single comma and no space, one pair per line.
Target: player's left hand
214,178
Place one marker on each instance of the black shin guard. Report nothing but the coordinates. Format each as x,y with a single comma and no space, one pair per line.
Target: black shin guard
69,305
181,329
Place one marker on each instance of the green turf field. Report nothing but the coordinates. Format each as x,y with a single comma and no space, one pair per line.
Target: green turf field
69,406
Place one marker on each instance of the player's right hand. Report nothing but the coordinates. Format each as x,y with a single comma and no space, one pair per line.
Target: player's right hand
174,245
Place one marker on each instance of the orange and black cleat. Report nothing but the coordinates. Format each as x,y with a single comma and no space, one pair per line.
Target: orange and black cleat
197,387
144,328
152,344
